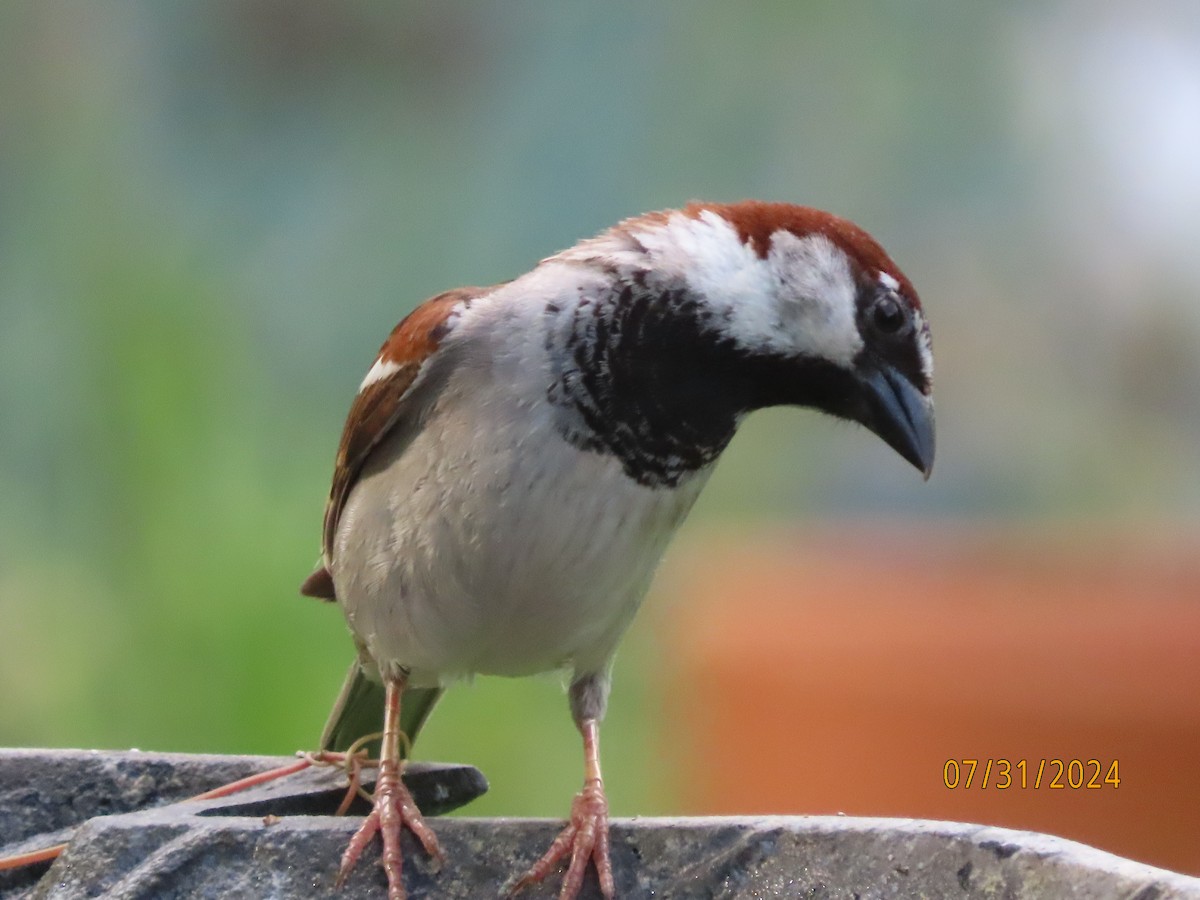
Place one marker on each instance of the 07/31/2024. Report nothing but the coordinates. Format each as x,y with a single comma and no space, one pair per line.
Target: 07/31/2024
1053,774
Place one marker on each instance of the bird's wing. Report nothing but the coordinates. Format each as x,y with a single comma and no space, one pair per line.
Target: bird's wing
380,405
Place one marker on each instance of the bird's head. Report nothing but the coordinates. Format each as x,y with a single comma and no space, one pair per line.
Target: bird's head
807,303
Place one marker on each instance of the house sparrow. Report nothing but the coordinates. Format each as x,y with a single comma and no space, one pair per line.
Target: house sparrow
519,456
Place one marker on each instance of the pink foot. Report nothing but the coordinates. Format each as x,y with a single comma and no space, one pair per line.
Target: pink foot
394,809
585,838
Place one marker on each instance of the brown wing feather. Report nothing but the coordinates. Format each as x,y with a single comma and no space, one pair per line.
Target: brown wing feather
374,413
379,407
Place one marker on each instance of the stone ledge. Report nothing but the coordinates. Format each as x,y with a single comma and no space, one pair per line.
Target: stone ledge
212,849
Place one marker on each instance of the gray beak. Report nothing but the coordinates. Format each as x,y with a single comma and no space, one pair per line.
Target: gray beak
900,414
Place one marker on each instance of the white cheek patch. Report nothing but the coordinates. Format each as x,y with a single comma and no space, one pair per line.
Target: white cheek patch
800,300
814,298
707,253
780,304
381,370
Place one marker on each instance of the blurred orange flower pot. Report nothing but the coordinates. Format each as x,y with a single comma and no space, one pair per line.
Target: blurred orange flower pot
862,670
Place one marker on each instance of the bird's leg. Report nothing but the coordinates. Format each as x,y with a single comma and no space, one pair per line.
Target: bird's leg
394,805
586,834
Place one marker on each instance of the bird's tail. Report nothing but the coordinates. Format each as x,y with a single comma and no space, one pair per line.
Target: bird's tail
358,711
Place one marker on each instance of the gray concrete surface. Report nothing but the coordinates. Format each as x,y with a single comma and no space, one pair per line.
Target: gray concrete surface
238,848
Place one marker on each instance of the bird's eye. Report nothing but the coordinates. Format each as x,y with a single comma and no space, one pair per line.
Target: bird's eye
888,315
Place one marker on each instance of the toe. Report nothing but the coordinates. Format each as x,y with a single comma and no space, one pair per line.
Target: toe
393,858
358,843
604,863
573,880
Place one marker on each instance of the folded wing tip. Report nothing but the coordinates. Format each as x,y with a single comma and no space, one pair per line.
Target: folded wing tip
320,585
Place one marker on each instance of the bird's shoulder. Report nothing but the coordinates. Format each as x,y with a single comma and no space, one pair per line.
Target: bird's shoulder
382,402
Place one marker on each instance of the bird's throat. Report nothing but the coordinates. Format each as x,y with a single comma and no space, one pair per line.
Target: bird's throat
640,376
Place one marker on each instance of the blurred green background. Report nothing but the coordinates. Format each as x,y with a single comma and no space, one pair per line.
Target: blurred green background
212,213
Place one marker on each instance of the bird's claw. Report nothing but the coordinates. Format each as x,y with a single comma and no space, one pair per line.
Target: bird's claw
585,838
394,809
